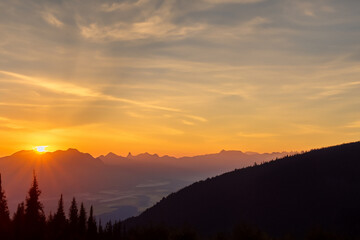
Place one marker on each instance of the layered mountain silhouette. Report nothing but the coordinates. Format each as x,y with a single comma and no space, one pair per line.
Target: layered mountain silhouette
197,166
113,184
320,188
60,171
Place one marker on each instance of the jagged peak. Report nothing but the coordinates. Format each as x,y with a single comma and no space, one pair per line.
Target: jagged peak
111,154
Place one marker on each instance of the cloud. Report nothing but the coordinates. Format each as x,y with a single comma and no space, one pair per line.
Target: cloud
10,124
233,1
355,124
72,89
159,27
135,115
313,9
81,91
197,118
247,29
155,27
52,20
334,89
123,6
53,86
187,123
308,129
250,26
118,61
149,20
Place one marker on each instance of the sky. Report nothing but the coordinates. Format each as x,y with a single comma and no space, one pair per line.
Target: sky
179,77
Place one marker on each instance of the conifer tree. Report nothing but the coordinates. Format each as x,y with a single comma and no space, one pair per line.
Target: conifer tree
59,222
59,217
19,221
101,230
91,223
73,215
73,219
34,212
4,215
50,221
82,220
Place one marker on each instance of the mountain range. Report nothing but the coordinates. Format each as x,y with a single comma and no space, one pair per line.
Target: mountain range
118,187
319,188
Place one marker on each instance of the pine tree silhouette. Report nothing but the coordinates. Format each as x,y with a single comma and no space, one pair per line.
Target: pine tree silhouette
82,221
19,221
59,217
100,231
73,220
34,213
4,215
59,222
92,228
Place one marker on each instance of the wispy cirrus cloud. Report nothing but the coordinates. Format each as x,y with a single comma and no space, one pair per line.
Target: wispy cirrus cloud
79,91
332,90
233,1
355,124
150,22
154,27
66,88
10,124
122,6
208,68
313,8
52,20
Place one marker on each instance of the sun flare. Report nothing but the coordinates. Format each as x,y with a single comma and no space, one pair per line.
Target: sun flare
40,149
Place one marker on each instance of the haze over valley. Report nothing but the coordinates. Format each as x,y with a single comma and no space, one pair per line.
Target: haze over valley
117,186
179,120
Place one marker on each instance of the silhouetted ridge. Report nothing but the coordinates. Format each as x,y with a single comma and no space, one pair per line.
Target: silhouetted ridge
292,194
64,170
111,154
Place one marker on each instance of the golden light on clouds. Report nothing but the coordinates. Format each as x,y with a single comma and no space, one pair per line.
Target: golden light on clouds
178,78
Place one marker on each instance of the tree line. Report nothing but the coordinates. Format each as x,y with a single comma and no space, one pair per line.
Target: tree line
29,221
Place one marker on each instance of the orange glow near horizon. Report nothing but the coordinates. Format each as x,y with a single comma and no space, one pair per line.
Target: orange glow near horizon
167,80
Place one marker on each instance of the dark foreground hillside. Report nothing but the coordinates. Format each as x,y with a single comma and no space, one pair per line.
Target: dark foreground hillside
320,188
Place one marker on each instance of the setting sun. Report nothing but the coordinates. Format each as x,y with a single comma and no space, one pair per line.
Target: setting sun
40,149
202,119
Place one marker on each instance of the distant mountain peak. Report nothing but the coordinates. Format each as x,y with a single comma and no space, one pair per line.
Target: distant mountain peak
129,155
111,154
146,154
72,150
229,151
